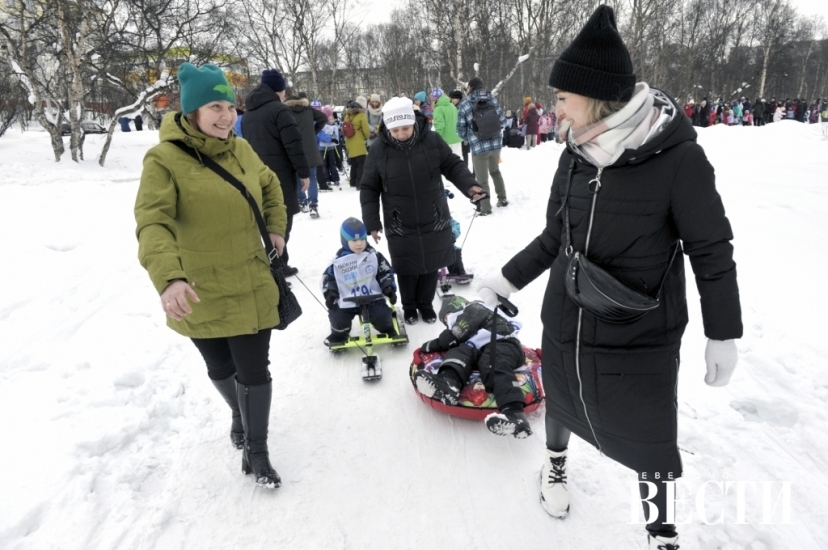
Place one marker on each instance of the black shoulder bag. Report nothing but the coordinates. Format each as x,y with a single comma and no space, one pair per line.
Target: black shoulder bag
289,308
591,287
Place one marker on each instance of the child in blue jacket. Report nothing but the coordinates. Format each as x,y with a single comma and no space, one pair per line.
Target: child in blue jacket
357,270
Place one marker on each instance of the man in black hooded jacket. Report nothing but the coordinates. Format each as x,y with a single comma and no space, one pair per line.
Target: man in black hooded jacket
270,128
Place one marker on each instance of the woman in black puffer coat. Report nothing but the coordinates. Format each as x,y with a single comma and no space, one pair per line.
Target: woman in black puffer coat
632,151
405,168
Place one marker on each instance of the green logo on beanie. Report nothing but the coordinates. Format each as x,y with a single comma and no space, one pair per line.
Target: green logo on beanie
227,90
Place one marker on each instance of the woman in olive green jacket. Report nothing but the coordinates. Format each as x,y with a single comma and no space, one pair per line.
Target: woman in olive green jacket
355,144
200,244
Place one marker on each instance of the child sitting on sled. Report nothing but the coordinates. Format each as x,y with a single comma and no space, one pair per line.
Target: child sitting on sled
467,343
357,270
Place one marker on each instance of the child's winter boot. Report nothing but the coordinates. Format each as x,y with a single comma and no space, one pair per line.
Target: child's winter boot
509,422
554,494
437,387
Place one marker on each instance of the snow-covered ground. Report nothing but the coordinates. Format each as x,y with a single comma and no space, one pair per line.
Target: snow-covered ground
113,437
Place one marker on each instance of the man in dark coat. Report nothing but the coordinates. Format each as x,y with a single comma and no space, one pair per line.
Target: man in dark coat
310,122
270,128
704,113
408,175
759,113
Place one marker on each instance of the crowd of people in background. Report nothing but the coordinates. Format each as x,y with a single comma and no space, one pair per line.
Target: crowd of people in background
743,112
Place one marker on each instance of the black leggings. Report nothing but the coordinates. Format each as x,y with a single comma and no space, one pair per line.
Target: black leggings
246,356
557,439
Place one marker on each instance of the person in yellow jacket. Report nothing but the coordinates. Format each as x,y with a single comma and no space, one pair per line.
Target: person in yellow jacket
199,242
355,137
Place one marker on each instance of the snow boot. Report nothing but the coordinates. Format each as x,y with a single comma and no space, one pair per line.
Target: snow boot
410,316
504,202
428,315
227,389
254,404
314,211
437,387
509,422
663,543
303,207
554,495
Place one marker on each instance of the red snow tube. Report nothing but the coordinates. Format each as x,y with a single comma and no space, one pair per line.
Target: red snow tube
475,402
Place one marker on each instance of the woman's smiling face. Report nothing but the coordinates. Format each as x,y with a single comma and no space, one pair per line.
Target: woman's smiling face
217,118
571,107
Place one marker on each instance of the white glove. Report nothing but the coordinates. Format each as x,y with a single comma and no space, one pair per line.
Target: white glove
490,287
721,357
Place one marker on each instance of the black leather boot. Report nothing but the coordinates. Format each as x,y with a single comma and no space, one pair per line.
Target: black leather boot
254,404
227,389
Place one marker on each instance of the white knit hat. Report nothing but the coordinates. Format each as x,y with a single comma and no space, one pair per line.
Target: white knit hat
398,111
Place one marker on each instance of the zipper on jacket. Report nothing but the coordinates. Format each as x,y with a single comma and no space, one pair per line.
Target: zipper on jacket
597,181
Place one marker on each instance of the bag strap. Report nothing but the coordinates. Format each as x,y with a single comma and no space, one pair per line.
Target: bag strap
568,250
272,253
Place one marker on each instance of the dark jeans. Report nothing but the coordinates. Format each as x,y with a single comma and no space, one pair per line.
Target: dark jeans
357,164
246,356
498,376
378,311
417,291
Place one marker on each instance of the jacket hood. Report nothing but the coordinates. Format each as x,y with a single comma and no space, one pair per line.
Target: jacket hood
261,95
295,102
175,127
676,130
443,100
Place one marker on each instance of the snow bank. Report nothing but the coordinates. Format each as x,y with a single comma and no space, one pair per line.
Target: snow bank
113,436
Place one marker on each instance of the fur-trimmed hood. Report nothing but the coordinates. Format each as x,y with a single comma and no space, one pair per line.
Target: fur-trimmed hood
297,102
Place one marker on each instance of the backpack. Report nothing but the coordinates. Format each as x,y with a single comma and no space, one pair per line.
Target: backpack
485,120
348,129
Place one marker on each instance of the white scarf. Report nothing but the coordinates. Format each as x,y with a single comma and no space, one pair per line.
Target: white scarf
605,141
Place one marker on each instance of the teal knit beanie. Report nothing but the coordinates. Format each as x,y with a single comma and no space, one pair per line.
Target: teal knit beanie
200,86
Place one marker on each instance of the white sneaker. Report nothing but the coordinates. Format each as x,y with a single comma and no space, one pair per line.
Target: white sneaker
554,495
663,543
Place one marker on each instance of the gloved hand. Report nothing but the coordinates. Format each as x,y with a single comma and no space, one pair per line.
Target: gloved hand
490,287
444,342
331,298
392,296
721,357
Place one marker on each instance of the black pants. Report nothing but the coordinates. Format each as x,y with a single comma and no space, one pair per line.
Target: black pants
246,356
378,311
357,164
330,173
417,291
557,439
289,227
498,376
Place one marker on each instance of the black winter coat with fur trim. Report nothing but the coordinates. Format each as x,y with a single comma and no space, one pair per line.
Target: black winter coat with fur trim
409,181
621,391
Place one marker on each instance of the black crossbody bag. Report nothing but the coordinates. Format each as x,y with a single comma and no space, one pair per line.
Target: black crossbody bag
595,290
289,308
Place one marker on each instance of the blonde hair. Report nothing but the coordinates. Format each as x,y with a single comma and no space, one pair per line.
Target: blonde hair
599,109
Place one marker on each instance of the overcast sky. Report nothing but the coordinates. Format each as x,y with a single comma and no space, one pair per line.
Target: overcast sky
380,10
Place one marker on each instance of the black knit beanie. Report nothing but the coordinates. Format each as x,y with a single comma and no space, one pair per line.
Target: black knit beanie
596,64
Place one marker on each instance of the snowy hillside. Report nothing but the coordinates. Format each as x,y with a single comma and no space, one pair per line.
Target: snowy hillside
113,437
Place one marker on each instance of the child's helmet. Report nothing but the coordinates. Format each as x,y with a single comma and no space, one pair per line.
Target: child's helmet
452,304
352,229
